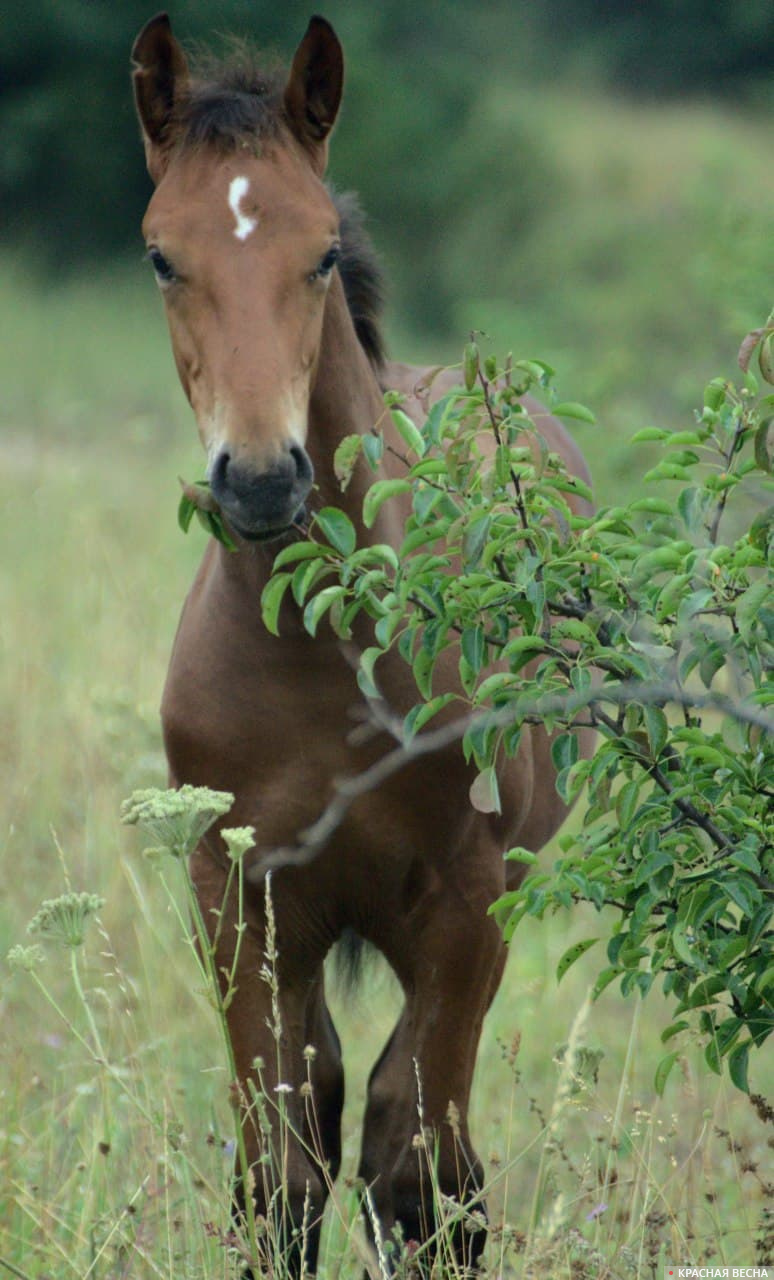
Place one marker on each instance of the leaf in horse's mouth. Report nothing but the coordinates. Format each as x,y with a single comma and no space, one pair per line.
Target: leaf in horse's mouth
198,498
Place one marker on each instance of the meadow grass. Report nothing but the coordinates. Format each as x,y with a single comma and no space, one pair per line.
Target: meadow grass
118,1164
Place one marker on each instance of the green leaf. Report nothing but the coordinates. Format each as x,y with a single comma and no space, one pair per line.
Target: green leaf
297,551
651,865
373,448
338,530
737,1066
470,365
663,1069
475,539
185,512
564,751
761,527
570,409
524,644
419,716
683,949
649,433
345,458
741,894
519,854
713,659
674,1029
667,471
501,681
304,578
271,600
749,605
688,437
212,521
473,645
569,484
365,675
715,393
605,978
319,605
380,493
655,506
626,802
409,431
572,954
658,728
422,667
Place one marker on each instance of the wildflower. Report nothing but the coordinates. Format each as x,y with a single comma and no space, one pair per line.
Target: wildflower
63,919
238,841
175,819
25,958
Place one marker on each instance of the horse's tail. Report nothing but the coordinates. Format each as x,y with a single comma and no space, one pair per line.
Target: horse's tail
350,956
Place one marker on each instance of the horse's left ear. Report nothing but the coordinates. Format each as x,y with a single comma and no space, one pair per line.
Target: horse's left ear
160,76
313,90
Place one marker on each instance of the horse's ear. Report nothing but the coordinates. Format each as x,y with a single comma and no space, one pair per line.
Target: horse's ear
313,90
160,76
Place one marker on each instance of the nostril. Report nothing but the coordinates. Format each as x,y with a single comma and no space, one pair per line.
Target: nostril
302,463
218,473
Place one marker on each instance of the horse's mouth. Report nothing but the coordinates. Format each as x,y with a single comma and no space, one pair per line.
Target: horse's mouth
297,524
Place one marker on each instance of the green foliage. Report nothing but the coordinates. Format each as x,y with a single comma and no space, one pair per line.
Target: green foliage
197,500
638,621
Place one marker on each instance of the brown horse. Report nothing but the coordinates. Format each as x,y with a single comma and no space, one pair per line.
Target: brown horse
271,299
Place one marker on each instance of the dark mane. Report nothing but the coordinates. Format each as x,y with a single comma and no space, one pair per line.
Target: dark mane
230,101
236,101
361,276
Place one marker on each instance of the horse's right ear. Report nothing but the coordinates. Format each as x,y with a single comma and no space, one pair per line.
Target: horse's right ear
160,76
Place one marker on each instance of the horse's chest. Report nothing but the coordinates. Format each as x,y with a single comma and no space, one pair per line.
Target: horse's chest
240,709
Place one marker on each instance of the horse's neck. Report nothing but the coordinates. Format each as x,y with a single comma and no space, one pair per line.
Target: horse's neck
346,399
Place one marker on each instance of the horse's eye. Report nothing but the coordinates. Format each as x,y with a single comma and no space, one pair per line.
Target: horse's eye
164,270
327,263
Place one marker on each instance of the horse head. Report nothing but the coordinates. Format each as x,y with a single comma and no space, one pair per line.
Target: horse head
244,240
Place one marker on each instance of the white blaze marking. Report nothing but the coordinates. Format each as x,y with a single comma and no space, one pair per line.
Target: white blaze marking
236,194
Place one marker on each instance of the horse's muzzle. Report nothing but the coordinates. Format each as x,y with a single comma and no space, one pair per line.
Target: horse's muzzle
262,504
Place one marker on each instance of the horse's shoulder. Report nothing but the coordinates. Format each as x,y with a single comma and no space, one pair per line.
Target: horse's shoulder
421,385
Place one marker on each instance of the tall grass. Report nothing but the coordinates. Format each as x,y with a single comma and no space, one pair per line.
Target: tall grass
118,1163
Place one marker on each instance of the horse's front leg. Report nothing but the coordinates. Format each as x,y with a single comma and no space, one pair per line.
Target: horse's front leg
417,1150
270,1011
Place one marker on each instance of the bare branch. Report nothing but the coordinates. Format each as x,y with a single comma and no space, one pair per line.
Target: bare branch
568,706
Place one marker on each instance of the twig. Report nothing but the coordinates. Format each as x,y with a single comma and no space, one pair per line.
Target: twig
348,790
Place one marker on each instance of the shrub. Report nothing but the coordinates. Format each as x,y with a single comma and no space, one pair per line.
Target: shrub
653,622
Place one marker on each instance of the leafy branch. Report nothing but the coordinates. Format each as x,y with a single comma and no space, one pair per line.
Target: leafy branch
637,619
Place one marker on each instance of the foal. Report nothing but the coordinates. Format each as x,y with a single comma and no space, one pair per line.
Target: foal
271,309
